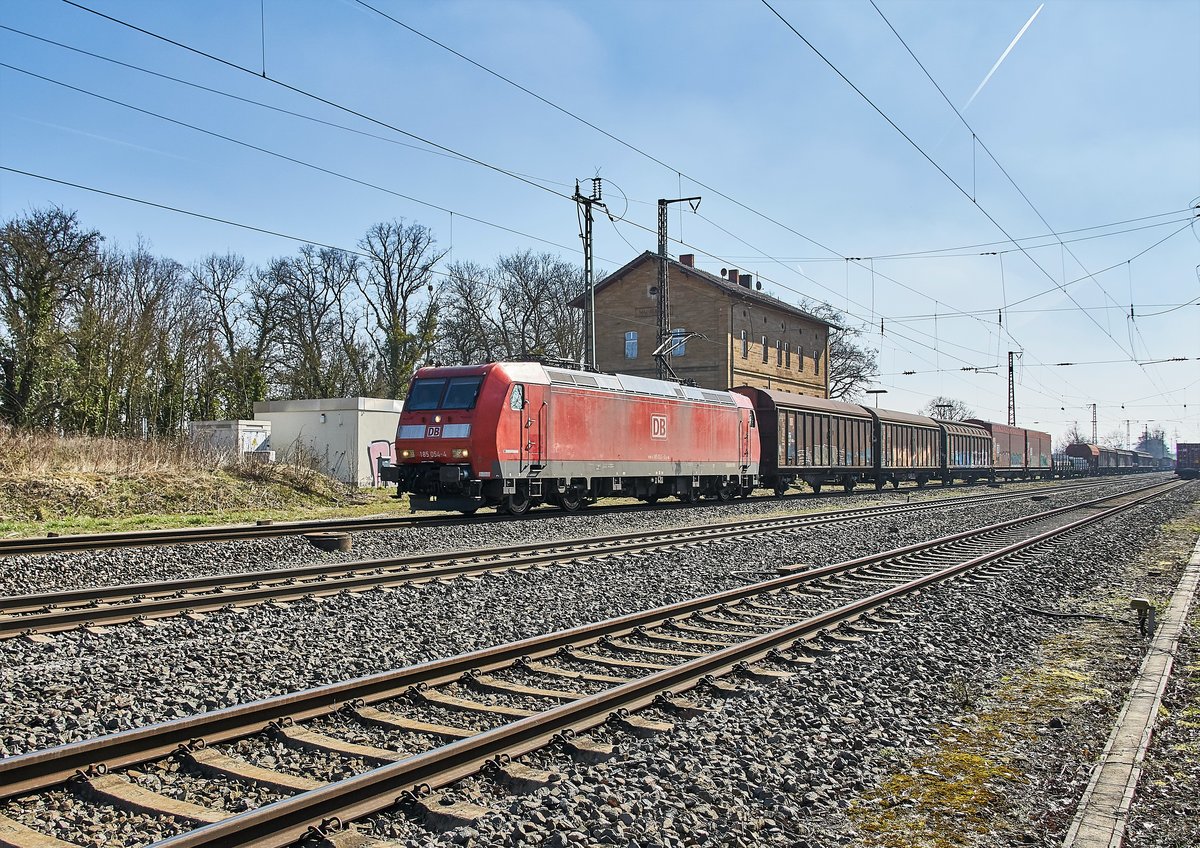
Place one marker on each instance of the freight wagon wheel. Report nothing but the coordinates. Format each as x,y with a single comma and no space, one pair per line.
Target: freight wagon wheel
781,486
517,504
651,499
571,500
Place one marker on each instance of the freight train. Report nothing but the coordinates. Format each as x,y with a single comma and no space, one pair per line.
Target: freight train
1187,460
516,434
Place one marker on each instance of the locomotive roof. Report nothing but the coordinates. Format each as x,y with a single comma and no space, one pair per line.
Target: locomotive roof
631,384
729,287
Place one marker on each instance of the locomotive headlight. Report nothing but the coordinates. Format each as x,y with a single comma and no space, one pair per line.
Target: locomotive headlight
406,454
460,453
437,419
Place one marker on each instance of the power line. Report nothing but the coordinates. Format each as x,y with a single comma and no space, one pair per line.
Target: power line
938,167
292,159
318,98
945,253
975,139
252,102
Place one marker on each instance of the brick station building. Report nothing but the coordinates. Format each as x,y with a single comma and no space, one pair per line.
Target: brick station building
746,338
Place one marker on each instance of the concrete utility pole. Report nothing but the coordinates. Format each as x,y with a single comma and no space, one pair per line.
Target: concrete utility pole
1094,441
589,306
664,301
1012,394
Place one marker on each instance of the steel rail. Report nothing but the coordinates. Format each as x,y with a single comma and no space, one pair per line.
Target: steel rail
48,767
224,533
284,822
51,612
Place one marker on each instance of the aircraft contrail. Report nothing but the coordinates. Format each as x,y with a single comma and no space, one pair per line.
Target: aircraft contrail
1004,55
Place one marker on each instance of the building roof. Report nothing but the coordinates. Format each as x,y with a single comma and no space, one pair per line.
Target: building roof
727,287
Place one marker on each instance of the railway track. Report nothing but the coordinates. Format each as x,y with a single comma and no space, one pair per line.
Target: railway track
271,529
52,612
482,710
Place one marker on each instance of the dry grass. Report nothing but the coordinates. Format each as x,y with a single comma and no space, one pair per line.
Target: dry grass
40,454
89,484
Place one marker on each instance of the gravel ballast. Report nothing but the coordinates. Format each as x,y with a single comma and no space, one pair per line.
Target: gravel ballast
821,759
140,675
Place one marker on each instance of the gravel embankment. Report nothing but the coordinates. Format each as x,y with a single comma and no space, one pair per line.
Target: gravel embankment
1166,809
975,723
45,573
137,675
838,754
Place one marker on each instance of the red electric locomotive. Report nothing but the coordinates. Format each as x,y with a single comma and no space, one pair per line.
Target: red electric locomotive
515,434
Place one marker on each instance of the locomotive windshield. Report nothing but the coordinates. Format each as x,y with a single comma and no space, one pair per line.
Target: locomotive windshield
455,393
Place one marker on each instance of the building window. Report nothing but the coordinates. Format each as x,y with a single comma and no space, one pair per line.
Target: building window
816,362
677,336
787,355
778,352
745,345
631,344
764,345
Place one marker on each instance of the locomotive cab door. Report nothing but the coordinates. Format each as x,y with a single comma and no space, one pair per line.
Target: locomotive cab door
528,404
746,426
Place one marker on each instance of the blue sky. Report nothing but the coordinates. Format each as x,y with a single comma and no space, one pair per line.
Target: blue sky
1094,113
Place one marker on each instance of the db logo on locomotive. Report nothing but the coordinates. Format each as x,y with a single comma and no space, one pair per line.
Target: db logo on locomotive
658,426
432,432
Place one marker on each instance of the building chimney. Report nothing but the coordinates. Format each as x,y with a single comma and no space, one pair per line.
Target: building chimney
745,280
688,259
731,274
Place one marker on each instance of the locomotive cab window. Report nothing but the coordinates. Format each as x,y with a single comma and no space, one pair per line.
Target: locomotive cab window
461,393
424,394
517,399
455,393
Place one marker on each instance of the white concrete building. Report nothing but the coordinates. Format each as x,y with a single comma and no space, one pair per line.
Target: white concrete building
340,436
233,437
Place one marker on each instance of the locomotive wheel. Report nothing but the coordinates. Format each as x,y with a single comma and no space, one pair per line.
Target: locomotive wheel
469,510
691,496
727,492
570,500
517,504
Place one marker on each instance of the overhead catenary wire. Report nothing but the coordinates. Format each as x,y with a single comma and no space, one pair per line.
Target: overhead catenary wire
316,97
933,162
703,185
976,140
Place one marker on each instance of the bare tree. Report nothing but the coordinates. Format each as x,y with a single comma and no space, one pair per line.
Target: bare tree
852,363
517,308
45,257
947,409
467,329
319,355
400,302
1153,442
1073,436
